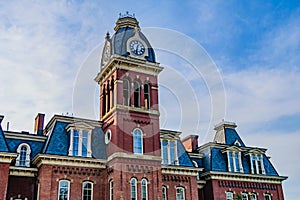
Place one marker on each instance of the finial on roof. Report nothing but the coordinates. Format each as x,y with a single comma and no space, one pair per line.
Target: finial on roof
127,14
107,35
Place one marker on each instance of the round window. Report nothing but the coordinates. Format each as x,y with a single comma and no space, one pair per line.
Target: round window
107,136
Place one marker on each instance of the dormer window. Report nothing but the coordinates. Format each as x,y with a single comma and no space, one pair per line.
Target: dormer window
234,160
257,164
169,152
80,140
23,159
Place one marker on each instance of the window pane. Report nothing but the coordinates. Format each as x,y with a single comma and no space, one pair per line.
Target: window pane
87,191
229,195
63,190
172,152
137,141
144,190
137,92
164,193
147,95
244,196
75,142
23,155
84,143
231,161
133,189
237,163
126,92
180,194
259,164
165,152
253,163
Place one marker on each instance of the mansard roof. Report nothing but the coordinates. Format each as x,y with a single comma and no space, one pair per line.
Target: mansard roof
3,144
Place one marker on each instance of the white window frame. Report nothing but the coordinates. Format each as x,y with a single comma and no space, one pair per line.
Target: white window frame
253,194
169,152
244,194
183,193
89,140
255,167
164,193
144,185
83,189
68,196
234,167
142,140
27,158
267,195
227,197
135,186
111,189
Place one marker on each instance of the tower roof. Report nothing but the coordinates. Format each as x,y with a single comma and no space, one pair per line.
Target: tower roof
127,31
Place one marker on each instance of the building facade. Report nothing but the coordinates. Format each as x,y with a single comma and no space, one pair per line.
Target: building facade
125,154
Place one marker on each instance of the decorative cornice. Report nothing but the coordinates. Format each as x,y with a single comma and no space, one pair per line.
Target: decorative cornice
133,156
23,171
130,64
242,177
41,159
180,170
6,157
31,137
218,145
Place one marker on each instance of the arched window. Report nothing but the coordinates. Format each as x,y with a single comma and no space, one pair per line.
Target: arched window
180,193
268,196
111,190
253,196
164,193
133,189
244,196
87,191
108,96
229,195
63,190
137,141
126,92
144,190
103,100
23,158
147,95
137,93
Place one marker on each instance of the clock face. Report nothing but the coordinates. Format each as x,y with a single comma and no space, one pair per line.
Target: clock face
137,47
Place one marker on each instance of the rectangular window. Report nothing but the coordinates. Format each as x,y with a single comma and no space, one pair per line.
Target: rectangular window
253,196
84,143
172,152
63,190
87,191
164,193
268,197
180,194
237,162
231,161
75,142
259,164
111,190
165,152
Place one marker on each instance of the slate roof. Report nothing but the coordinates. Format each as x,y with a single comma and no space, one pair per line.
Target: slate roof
227,137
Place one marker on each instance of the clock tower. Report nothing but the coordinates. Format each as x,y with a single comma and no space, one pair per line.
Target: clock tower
130,113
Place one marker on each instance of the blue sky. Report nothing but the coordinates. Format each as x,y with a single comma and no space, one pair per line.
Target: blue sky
255,45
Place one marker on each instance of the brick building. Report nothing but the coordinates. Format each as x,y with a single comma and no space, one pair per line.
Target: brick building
125,154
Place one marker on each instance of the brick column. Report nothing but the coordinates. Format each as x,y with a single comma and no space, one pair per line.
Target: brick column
45,180
4,174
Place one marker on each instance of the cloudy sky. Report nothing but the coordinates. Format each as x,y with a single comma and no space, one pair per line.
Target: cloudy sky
50,51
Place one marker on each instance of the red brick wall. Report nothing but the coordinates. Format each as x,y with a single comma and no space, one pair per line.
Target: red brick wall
188,182
4,172
122,170
215,189
24,186
51,175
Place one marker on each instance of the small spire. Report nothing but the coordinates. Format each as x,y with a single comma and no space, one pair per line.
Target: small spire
107,36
